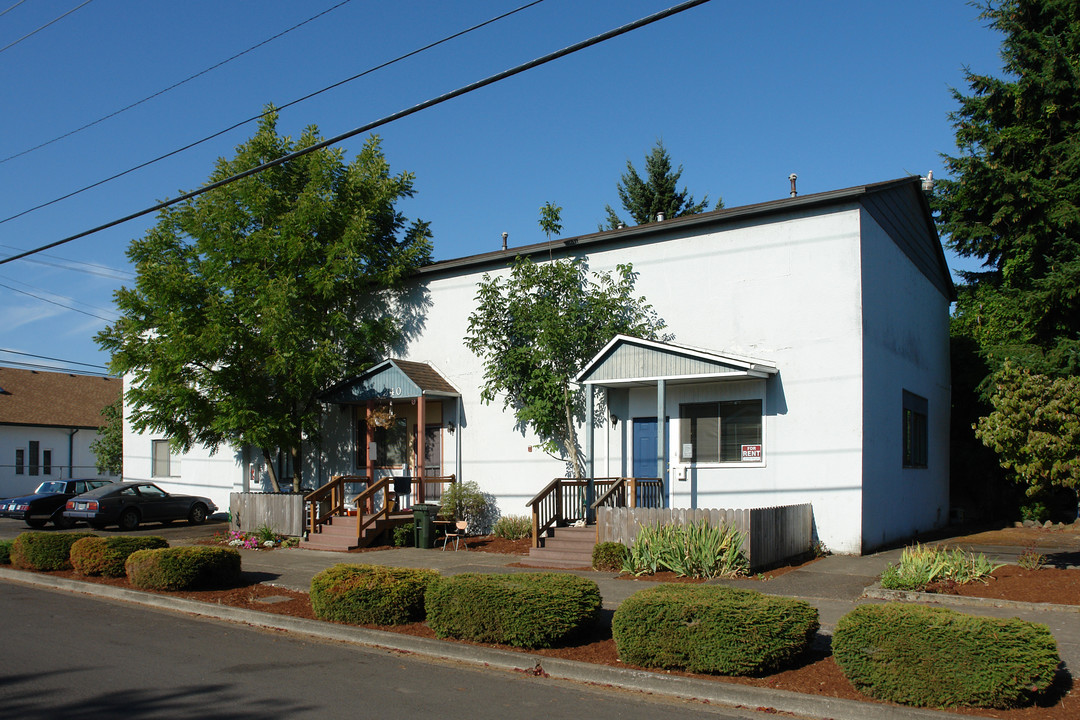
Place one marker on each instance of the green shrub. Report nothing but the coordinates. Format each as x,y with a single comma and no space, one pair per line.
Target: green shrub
921,565
5,552
106,556
937,657
403,535
44,550
712,629
182,568
693,550
512,527
1034,510
609,556
529,610
370,594
465,501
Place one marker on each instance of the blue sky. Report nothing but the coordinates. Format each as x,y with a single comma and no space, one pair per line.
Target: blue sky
742,94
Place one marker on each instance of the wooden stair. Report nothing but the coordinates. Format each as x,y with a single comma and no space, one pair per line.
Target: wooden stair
338,534
565,547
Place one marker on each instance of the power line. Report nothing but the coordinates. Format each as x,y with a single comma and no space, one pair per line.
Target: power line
82,266
54,302
174,85
5,12
46,357
263,114
569,50
34,32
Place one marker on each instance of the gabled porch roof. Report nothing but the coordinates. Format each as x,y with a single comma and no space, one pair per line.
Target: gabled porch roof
389,379
633,362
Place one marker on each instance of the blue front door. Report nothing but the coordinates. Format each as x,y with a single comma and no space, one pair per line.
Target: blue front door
644,459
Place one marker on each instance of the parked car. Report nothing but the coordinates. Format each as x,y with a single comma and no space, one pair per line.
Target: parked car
130,503
46,503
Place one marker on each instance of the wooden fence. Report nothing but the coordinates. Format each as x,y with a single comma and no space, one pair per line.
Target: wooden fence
281,512
772,535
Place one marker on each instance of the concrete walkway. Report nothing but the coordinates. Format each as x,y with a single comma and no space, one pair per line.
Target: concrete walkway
834,585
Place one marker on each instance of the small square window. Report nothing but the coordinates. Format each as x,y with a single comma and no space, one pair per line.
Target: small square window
720,432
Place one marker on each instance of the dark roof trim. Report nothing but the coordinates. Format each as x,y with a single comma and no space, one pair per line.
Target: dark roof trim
715,217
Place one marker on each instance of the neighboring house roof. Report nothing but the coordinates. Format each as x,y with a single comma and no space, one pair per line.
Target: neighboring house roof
899,206
392,378
54,399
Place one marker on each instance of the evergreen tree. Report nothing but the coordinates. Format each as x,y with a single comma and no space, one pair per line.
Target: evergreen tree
657,193
252,298
1015,199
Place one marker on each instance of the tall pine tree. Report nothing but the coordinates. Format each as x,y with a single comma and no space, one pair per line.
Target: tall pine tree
1015,199
657,193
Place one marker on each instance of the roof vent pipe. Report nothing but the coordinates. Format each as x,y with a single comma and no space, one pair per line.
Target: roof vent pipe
793,177
660,217
505,235
928,183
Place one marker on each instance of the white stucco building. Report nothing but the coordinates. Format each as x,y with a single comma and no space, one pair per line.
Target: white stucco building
809,363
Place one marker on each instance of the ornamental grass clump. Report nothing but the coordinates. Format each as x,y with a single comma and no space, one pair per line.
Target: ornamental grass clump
370,594
921,565
712,629
937,657
697,550
183,568
528,610
106,556
512,527
44,550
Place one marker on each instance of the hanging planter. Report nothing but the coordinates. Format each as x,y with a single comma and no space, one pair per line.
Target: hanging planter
381,417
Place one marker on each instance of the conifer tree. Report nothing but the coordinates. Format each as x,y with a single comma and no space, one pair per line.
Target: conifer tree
657,193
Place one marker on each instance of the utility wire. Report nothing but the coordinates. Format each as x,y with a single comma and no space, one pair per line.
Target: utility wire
34,32
173,86
54,302
5,12
82,266
264,114
569,50
46,357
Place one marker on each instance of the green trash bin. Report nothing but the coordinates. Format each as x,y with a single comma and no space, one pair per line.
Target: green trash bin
424,525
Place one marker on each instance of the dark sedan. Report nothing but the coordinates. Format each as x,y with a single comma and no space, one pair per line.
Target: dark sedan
46,504
130,503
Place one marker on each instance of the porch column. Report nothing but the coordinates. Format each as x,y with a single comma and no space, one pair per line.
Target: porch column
368,438
590,487
661,432
421,439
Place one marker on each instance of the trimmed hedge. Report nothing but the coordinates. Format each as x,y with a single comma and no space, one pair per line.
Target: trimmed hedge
938,657
527,610
712,629
182,568
5,552
370,594
106,556
44,550
609,556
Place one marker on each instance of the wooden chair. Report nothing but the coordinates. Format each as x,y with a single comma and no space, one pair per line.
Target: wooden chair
461,528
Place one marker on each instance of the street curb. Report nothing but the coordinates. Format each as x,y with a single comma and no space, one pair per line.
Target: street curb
876,592
656,683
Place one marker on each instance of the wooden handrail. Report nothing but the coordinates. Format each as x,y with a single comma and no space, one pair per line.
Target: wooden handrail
335,490
362,521
629,499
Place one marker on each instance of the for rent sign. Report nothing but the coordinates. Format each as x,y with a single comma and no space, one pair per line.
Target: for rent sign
751,453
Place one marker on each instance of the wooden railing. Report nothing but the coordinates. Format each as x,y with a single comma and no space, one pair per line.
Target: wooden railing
366,499
333,494
563,501
632,492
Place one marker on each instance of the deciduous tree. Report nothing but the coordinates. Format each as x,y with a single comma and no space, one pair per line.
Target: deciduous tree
108,447
252,298
535,328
